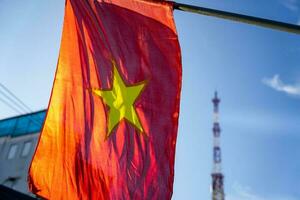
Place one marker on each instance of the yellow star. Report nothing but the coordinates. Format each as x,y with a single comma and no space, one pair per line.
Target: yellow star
120,99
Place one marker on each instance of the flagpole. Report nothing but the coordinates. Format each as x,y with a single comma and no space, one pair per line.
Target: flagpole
286,27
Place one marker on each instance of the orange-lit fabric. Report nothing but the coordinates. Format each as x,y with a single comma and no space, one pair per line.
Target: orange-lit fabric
76,158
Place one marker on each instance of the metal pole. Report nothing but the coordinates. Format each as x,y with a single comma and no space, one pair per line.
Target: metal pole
291,28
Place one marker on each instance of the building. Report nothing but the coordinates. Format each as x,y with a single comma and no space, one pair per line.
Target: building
18,139
7,193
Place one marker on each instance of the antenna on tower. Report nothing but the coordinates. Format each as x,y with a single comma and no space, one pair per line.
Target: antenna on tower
217,176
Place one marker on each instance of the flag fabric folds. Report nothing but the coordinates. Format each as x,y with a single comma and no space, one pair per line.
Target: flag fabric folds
111,126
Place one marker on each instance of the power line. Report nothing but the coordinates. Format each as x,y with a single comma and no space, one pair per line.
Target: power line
19,112
15,97
15,103
10,106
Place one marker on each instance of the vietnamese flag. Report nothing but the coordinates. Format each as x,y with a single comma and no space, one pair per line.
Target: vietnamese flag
111,126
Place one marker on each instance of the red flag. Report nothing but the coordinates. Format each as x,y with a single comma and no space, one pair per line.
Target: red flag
111,127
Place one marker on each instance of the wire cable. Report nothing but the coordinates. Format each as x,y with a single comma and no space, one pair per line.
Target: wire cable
16,104
13,101
16,98
10,106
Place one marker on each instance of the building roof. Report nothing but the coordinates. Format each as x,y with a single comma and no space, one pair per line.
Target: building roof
22,124
10,194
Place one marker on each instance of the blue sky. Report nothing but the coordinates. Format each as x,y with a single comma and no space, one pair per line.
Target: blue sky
255,70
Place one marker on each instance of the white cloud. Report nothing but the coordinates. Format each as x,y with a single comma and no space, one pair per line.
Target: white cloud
246,193
279,85
292,5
